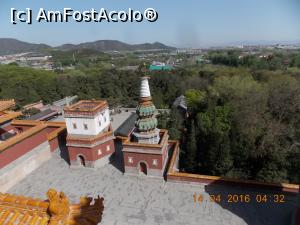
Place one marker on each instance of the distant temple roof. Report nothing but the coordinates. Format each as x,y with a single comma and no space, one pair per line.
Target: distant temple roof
158,68
56,210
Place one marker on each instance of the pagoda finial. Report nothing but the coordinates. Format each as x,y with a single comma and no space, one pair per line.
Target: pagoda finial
145,90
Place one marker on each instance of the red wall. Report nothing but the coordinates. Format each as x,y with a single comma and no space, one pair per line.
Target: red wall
91,154
227,182
50,129
54,144
148,158
21,148
190,179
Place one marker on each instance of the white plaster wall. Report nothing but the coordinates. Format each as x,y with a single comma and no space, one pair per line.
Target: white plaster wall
104,123
94,127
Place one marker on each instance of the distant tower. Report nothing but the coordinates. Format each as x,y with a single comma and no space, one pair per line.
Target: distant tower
146,150
90,139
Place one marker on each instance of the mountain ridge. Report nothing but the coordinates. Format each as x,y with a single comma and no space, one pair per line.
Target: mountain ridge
14,46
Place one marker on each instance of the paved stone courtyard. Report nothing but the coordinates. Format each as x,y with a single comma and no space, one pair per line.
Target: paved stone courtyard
132,200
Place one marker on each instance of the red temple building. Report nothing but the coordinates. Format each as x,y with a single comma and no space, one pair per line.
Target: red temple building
90,139
145,151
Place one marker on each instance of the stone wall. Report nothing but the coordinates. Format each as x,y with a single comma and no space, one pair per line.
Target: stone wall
20,168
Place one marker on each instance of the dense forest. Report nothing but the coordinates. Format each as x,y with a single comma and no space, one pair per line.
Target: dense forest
243,120
245,126
119,87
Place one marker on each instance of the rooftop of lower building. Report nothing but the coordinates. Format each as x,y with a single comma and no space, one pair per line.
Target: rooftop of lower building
86,106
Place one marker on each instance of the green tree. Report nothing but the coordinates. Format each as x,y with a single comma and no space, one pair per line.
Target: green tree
214,128
191,149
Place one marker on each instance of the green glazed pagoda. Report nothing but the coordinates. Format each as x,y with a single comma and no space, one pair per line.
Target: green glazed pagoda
146,125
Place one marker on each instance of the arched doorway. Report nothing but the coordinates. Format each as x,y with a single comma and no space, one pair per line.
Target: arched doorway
81,160
143,168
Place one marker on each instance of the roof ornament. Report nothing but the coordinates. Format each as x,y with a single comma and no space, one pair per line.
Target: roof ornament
56,210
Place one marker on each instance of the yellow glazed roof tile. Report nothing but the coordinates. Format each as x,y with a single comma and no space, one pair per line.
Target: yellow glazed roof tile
20,210
7,104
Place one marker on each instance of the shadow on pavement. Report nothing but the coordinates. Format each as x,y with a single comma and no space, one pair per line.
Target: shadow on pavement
256,206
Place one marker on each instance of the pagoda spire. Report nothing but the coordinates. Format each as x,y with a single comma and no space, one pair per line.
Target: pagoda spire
146,125
145,90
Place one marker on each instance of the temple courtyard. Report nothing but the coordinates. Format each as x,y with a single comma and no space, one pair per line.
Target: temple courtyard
132,200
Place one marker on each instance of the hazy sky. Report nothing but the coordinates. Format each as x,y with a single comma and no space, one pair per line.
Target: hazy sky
181,23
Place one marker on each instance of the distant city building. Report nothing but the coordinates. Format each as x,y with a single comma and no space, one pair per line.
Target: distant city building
90,139
29,59
189,51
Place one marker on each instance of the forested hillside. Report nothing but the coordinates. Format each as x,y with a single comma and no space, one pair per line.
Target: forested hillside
13,46
246,126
